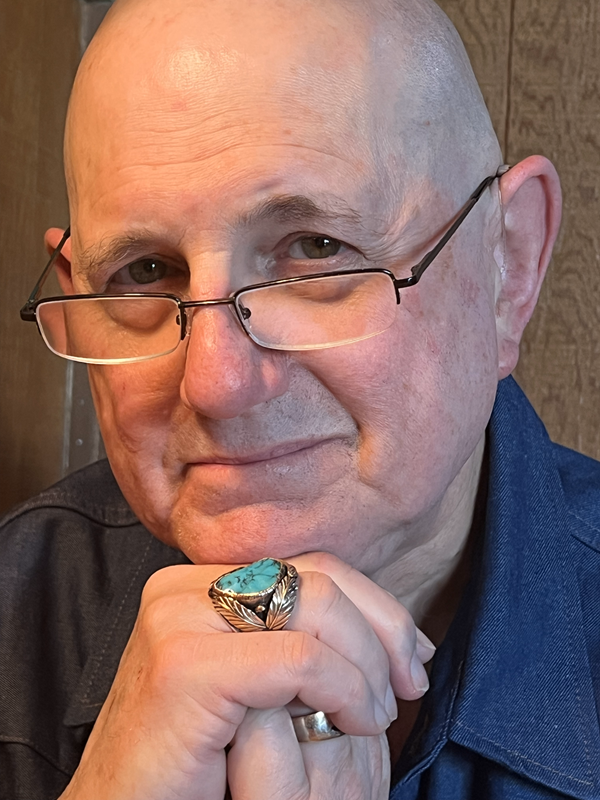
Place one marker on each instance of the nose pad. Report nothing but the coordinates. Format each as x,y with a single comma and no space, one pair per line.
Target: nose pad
245,312
190,313
185,321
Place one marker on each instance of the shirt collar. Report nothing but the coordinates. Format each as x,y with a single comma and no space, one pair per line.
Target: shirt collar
512,680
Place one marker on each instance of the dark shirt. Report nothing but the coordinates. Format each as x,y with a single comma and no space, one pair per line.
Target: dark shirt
512,713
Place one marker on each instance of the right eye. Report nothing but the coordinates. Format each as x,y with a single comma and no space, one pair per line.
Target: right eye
144,271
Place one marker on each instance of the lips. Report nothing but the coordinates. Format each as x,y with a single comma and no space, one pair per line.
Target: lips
245,492
261,455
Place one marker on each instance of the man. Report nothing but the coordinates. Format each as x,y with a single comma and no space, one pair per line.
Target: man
211,146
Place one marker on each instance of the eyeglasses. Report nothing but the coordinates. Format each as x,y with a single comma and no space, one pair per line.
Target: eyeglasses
311,312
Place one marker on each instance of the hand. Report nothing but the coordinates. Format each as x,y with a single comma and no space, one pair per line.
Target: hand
266,760
186,680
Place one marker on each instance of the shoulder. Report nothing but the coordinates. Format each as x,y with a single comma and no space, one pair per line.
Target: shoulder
91,492
73,563
79,527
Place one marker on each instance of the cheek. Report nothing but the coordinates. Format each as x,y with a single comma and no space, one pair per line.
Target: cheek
420,394
135,406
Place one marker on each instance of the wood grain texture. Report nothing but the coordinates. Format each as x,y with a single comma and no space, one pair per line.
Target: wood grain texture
551,94
39,51
485,28
555,110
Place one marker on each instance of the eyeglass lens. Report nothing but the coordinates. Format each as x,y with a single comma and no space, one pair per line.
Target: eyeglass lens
320,312
110,329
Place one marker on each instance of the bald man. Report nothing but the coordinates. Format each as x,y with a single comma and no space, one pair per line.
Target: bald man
298,270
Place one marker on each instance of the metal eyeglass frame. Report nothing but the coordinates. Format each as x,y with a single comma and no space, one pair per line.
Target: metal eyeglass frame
28,311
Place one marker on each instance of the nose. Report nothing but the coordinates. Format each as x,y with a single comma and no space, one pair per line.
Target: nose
226,374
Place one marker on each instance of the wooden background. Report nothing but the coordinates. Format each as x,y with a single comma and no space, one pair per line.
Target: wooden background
39,51
538,62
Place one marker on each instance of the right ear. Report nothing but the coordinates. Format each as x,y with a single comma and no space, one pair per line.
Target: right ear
63,262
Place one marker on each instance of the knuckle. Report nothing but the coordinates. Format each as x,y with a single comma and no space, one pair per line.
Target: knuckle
299,654
322,590
153,617
167,648
161,582
325,563
357,690
401,627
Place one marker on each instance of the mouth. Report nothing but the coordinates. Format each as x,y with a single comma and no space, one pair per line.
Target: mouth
259,456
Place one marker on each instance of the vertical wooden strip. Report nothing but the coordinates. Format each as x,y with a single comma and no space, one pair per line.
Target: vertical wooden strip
555,111
547,100
39,51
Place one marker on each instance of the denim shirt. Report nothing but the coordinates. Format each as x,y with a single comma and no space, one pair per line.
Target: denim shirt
513,708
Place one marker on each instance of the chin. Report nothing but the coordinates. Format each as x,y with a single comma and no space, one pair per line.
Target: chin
244,535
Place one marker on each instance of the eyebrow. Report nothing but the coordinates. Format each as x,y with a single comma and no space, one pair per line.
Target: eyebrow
282,209
298,208
117,248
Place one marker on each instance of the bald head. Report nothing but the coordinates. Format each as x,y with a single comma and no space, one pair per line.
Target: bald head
388,81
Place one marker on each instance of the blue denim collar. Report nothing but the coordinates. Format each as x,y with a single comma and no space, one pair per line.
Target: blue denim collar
512,680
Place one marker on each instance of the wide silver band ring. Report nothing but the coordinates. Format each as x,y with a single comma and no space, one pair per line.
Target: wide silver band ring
315,727
265,609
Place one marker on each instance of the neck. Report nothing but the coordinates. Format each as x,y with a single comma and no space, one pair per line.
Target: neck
429,579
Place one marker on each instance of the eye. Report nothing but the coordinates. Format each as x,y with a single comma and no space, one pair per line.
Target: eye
146,270
315,247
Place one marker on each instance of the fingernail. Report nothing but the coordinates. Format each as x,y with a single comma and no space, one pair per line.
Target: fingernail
390,703
425,641
418,674
382,718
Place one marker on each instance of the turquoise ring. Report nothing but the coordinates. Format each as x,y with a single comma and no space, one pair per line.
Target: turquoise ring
259,597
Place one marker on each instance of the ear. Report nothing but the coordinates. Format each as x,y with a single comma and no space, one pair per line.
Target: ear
63,262
531,207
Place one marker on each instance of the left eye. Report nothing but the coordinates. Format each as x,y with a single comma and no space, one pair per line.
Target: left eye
147,270
315,247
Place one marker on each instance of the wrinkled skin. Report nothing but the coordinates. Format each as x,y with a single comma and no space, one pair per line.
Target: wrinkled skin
230,452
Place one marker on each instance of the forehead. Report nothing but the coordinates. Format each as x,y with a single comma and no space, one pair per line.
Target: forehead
221,109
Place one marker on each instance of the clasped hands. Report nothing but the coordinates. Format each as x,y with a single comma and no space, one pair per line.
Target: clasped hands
195,705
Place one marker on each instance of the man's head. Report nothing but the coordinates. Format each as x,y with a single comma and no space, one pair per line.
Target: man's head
186,118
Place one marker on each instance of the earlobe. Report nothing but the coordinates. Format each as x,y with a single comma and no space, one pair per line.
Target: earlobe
62,264
531,208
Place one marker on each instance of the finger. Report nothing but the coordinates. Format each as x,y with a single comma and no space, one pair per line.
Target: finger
391,622
265,760
269,670
325,612
359,768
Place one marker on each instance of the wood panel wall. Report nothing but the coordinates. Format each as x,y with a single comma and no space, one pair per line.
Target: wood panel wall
39,51
538,62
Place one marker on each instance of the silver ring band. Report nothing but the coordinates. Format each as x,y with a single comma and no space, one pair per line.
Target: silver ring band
315,727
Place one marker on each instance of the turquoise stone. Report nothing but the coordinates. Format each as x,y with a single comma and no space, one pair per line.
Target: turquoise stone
255,578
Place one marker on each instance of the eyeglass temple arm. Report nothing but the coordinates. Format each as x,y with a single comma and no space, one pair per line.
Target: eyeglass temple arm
27,312
418,270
